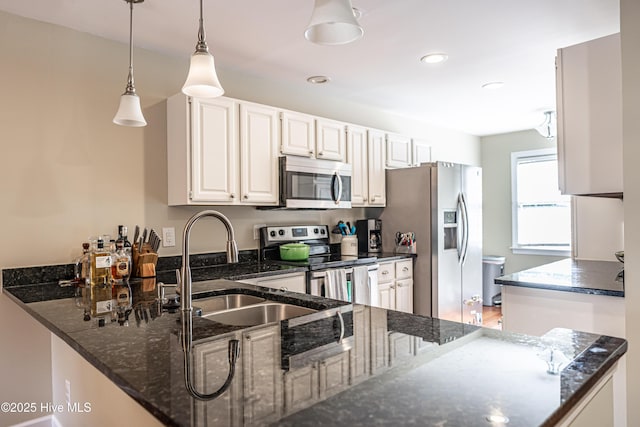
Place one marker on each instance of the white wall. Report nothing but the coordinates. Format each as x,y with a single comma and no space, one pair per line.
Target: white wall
630,31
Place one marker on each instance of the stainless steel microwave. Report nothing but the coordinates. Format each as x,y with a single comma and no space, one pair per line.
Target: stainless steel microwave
314,184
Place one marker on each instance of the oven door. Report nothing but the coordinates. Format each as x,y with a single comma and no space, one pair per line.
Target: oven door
314,184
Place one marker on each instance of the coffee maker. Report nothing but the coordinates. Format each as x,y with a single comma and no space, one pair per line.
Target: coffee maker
369,232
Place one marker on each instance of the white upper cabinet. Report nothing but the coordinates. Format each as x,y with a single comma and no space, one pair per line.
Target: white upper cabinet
259,140
398,151
589,112
309,136
331,140
365,153
298,134
420,152
210,161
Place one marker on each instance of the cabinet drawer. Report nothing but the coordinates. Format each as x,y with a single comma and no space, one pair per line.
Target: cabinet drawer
404,269
386,272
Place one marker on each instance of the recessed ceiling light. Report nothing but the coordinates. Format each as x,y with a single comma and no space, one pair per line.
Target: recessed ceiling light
434,58
318,80
493,85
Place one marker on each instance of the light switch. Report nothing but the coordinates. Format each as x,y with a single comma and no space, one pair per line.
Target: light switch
168,237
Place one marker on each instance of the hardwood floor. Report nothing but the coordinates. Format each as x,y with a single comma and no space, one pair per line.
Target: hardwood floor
492,317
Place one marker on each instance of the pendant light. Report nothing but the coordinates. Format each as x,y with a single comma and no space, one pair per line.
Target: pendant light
129,112
548,127
332,23
202,80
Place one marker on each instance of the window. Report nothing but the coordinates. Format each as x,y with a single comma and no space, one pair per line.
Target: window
541,216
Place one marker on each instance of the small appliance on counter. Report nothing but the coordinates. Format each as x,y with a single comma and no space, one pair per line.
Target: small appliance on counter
369,232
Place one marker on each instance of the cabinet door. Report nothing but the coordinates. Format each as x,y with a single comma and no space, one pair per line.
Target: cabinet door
300,388
387,295
262,375
331,140
298,134
379,340
376,162
420,152
357,158
361,351
210,367
589,103
404,269
259,139
404,295
214,150
334,374
398,151
401,346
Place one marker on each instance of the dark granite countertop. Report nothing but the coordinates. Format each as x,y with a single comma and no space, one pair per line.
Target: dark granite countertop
571,275
417,370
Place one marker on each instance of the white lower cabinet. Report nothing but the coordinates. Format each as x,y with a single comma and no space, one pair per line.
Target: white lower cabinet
294,282
395,285
255,394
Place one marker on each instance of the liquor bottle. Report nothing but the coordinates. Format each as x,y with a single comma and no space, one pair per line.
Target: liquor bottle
120,263
101,294
82,270
122,236
121,291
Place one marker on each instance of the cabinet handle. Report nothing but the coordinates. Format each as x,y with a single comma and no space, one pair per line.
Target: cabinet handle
364,199
405,268
248,337
385,272
373,199
321,153
392,286
246,196
233,196
311,153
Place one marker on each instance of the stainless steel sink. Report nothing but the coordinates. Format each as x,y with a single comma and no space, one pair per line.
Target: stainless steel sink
259,314
225,302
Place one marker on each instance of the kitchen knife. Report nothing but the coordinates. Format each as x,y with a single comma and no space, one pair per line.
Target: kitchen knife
136,234
144,236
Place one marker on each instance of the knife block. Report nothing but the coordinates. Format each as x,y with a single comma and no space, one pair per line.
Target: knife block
144,261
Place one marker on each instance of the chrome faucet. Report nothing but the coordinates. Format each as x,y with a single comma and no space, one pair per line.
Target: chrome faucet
184,284
184,277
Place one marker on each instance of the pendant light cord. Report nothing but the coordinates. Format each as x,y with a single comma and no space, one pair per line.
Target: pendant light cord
201,46
130,86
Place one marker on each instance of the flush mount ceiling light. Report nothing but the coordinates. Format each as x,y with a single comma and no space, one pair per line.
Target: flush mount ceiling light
333,22
492,85
434,58
548,128
318,80
129,112
202,80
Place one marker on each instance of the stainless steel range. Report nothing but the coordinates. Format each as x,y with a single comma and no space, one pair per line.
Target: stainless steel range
352,279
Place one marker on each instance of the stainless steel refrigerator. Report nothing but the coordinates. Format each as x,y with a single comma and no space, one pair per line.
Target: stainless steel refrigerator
442,204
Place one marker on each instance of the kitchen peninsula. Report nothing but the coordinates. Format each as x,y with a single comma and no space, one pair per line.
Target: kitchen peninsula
343,364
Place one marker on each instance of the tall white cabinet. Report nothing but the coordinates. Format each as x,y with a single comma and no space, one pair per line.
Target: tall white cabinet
366,154
589,113
221,151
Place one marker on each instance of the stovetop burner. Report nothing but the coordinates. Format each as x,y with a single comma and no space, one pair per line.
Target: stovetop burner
316,236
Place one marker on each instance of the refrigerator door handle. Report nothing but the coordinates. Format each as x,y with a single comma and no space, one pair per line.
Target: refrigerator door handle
465,228
460,230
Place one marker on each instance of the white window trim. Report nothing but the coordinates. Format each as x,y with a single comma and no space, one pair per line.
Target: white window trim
529,250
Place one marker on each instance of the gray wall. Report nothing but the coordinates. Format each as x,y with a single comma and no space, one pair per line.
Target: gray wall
496,192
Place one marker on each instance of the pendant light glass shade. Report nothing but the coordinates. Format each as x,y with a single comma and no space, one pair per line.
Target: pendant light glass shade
129,112
333,23
202,80
548,128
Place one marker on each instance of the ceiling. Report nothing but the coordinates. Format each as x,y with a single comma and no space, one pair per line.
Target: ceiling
486,40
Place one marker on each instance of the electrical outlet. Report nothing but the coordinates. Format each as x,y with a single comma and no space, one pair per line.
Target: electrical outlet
256,231
67,391
168,237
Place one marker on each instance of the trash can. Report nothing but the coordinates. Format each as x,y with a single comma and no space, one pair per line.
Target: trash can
492,267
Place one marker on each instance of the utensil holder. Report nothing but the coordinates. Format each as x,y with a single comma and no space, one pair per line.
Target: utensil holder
144,261
349,245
